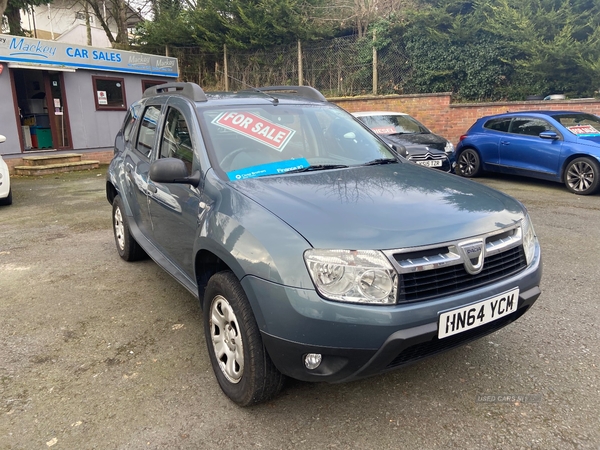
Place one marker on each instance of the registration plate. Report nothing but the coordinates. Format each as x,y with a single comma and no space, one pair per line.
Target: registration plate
430,163
477,314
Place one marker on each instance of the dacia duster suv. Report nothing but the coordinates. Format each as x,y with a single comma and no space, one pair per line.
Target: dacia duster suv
316,252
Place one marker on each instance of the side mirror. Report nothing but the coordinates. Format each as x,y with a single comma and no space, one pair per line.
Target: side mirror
172,170
548,135
397,148
2,139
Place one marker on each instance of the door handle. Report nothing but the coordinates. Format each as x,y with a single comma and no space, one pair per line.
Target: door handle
504,142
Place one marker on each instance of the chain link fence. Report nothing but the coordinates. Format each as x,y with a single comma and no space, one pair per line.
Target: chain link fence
336,67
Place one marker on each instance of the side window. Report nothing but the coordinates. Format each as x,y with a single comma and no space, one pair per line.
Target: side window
147,133
129,121
176,140
530,126
498,125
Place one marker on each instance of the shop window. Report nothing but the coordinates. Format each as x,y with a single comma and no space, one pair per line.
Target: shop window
109,93
149,83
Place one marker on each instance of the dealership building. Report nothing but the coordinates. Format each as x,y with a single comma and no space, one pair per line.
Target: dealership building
57,96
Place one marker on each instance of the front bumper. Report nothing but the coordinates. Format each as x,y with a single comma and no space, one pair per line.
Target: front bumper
357,341
401,348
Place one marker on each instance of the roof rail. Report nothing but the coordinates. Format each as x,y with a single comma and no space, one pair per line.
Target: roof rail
189,90
303,91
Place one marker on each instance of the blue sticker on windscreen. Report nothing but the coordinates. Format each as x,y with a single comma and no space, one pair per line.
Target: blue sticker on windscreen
273,168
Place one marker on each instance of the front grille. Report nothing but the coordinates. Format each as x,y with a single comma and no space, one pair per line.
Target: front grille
424,349
442,281
426,156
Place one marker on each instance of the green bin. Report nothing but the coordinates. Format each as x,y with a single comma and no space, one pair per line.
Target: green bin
44,138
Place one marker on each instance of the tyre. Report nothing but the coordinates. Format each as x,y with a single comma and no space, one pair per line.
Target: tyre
7,200
127,246
468,163
241,364
582,176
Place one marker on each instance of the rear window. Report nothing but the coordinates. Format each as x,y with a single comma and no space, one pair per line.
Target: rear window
498,124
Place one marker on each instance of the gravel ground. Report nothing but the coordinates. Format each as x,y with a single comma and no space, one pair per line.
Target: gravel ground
97,353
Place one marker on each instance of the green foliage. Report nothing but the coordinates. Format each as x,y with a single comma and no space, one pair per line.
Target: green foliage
483,50
13,14
477,49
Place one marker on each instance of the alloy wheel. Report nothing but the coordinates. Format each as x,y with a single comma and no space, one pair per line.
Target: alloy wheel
580,176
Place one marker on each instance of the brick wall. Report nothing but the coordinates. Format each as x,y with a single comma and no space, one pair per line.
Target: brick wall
452,120
434,110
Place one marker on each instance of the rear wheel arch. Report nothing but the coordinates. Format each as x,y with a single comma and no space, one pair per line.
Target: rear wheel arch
111,192
475,158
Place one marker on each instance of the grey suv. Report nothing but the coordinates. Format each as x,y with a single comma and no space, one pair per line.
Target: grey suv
315,251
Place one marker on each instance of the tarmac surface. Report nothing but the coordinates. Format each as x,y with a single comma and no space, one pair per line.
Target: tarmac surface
97,353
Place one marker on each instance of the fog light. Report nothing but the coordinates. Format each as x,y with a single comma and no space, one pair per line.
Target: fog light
312,360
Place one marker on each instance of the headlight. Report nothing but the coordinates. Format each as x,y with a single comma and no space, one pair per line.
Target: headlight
359,276
529,239
449,148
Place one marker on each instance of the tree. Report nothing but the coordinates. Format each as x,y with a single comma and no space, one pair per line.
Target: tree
119,13
13,14
3,4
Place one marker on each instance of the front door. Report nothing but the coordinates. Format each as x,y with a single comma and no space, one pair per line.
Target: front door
175,208
57,111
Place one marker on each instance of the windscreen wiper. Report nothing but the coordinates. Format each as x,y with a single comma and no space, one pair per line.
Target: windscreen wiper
318,167
381,161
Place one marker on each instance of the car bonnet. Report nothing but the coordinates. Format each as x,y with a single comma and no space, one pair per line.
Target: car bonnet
381,207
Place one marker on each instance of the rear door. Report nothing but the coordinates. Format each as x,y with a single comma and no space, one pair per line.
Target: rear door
137,165
523,151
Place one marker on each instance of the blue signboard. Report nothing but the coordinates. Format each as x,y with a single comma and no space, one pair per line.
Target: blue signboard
52,54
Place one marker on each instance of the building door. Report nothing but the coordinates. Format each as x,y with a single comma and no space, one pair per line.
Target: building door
59,117
42,108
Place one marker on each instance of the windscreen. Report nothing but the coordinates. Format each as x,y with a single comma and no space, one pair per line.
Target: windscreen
580,124
252,141
393,124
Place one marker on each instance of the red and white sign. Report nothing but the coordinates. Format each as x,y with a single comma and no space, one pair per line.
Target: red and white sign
257,128
583,129
384,130
102,99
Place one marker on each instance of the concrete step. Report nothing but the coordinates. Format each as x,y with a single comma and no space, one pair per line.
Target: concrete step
46,160
56,168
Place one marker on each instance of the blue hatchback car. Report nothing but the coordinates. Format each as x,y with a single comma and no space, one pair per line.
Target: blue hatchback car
562,146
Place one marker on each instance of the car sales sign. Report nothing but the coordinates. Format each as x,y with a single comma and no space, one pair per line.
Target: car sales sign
255,127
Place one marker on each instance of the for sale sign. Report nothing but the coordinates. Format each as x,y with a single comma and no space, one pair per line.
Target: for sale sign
384,130
583,130
257,128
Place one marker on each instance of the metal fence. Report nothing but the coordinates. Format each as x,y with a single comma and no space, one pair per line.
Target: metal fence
337,67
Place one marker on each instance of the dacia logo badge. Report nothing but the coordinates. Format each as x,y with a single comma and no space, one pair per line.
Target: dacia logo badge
473,253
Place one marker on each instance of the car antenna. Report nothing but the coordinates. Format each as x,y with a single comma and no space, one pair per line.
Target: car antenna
274,99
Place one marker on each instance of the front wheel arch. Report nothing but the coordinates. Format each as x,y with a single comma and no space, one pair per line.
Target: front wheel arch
239,359
581,175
